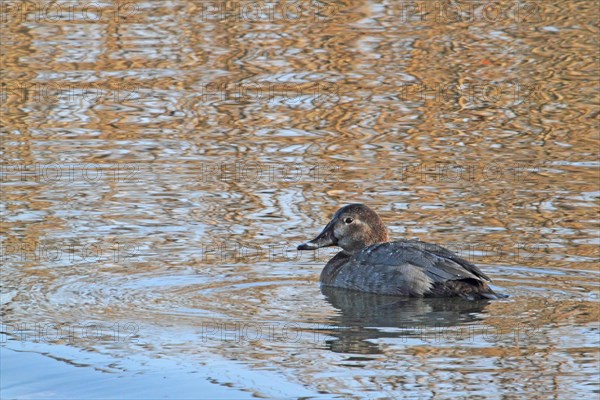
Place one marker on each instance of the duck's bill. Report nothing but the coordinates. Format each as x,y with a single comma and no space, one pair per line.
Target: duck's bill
325,239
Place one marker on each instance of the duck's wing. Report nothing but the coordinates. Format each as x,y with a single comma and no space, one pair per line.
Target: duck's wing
436,262
445,253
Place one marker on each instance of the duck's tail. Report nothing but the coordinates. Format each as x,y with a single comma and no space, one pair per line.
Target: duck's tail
484,292
471,289
491,295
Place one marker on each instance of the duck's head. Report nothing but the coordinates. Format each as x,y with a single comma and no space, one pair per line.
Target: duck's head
352,228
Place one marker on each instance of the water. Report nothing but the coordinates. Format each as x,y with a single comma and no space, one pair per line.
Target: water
161,161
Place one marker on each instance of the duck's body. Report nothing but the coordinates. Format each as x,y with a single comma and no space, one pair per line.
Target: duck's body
406,268
370,263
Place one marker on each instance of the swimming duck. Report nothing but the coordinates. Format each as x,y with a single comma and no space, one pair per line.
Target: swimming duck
369,262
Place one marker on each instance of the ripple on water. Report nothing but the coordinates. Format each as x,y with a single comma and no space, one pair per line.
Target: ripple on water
471,132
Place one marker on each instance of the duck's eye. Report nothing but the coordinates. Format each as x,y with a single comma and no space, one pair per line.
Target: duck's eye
348,220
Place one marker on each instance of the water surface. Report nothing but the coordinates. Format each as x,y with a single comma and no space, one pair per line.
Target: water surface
161,161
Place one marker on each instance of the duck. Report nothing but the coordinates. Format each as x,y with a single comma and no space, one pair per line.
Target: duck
370,262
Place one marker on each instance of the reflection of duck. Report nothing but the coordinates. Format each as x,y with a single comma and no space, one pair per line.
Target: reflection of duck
363,314
370,263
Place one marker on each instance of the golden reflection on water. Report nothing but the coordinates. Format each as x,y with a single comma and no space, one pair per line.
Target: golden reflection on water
161,162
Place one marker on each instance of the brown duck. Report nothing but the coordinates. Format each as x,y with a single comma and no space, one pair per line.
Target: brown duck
369,262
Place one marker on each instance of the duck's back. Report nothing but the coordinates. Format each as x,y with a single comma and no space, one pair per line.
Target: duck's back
406,268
